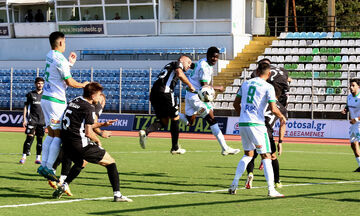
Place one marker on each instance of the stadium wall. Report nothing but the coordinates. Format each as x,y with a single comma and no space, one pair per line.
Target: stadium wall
318,128
31,49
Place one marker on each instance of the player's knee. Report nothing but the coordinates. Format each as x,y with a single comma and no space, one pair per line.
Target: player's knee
273,156
210,120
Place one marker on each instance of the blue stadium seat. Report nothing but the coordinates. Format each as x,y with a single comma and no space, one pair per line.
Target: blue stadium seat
337,35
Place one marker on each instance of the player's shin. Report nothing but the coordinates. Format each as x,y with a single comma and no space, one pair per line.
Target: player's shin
38,145
276,169
53,152
269,173
113,176
45,150
240,169
154,127
27,145
174,129
219,136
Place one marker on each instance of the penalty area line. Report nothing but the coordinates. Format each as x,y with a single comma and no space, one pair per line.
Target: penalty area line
166,194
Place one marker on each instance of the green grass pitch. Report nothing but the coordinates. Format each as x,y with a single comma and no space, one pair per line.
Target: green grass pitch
318,180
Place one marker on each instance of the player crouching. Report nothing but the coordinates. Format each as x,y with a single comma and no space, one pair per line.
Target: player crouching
81,143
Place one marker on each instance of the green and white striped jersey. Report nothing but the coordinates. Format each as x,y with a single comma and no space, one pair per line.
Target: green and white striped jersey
255,95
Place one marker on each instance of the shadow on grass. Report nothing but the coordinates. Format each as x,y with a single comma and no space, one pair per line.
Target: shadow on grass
220,202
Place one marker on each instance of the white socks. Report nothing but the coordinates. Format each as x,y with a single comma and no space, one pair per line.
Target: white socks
38,157
183,119
269,173
219,136
45,149
62,178
53,152
358,160
24,156
240,169
117,194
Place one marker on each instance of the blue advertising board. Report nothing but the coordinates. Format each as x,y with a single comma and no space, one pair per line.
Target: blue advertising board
11,118
200,125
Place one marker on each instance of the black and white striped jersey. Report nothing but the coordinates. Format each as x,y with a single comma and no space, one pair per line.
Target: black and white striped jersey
167,79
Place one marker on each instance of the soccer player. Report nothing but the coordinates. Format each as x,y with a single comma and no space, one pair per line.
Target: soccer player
353,106
66,161
33,120
252,99
270,120
201,76
280,77
165,104
53,101
81,143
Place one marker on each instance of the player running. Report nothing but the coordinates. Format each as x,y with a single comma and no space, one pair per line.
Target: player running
165,104
353,106
270,120
81,143
53,101
201,76
252,99
33,120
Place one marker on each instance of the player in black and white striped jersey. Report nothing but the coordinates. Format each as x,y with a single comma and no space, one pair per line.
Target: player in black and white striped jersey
165,104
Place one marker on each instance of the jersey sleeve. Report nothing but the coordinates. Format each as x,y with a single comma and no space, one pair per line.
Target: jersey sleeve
205,72
271,94
98,109
239,93
90,115
63,66
28,99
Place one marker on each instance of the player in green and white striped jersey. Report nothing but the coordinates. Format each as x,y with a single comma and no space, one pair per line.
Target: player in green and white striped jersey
251,103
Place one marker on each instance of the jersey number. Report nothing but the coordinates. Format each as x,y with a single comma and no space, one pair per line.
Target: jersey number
66,119
47,73
251,93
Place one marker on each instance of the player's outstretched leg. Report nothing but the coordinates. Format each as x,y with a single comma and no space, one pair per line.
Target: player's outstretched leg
215,129
240,169
143,133
276,169
115,183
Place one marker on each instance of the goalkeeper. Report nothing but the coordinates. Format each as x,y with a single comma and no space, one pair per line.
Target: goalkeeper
201,76
164,103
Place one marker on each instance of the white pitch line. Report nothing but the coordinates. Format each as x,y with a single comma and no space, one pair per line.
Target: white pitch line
201,151
166,194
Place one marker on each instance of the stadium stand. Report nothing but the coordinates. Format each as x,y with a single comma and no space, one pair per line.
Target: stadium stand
320,64
135,54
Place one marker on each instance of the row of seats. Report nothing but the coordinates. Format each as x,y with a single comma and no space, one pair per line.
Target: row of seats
309,82
316,107
314,59
224,105
320,35
315,43
322,75
317,90
312,51
315,99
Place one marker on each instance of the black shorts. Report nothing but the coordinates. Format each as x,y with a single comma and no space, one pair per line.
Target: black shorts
91,153
165,105
38,130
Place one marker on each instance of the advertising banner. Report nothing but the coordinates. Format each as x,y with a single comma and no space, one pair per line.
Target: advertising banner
200,126
4,31
123,123
11,118
317,128
82,29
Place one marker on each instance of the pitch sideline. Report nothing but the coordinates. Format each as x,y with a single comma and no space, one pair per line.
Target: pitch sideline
167,194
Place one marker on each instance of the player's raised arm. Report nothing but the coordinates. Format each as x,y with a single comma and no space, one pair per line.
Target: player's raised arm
75,84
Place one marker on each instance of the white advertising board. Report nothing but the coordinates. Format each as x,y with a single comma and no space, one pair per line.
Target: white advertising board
317,128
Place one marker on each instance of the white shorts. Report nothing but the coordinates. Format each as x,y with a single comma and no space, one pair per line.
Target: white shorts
354,133
53,113
255,137
193,105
